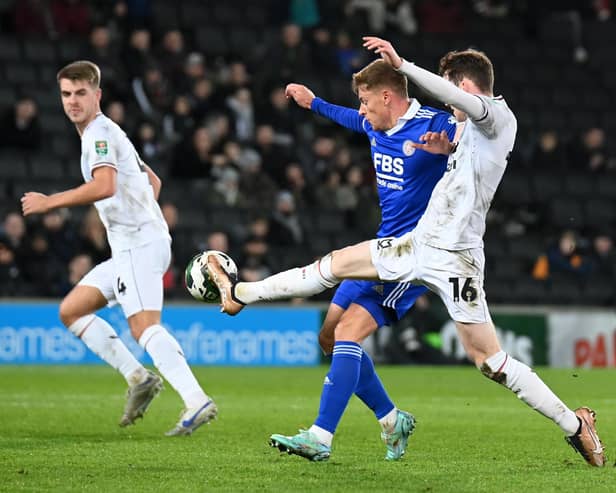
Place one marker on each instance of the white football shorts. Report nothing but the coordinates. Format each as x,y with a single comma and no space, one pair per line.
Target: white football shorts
456,276
133,278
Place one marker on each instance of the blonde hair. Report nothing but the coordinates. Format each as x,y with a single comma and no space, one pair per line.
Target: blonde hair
81,70
380,74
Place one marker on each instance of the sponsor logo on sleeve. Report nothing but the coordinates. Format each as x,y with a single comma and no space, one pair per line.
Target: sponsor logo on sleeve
101,147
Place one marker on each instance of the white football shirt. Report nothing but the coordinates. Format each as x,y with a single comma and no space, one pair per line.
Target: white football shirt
456,215
131,216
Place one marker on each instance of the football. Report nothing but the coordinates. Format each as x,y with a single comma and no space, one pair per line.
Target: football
197,278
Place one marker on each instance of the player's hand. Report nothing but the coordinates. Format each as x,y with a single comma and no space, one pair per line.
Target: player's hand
434,143
383,48
34,203
300,94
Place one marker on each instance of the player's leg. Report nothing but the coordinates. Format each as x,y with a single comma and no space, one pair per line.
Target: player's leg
139,290
353,262
461,289
77,312
396,425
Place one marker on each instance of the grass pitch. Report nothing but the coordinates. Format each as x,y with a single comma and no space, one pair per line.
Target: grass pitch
60,433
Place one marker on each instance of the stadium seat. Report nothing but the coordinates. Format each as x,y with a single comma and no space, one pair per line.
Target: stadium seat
607,187
211,41
564,291
598,291
38,50
514,190
21,73
13,164
546,186
7,97
44,166
566,213
9,49
195,14
530,292
580,185
329,222
600,213
527,247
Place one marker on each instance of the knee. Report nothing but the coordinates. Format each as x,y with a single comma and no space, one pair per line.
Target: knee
326,341
67,313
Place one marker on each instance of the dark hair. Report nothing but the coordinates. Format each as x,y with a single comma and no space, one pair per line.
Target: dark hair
81,70
472,64
380,74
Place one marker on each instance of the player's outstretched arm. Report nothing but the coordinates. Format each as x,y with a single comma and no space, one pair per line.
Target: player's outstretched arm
101,187
434,85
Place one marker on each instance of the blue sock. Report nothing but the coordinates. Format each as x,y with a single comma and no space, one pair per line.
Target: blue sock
339,384
370,389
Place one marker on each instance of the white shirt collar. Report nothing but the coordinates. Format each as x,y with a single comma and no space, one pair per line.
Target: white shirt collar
410,113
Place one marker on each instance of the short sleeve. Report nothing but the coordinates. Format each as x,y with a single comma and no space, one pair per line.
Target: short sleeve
99,149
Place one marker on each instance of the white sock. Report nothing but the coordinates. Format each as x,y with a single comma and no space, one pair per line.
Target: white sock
168,357
298,282
324,436
389,420
525,383
102,340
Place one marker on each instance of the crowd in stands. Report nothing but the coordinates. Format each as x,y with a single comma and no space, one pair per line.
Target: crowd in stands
199,88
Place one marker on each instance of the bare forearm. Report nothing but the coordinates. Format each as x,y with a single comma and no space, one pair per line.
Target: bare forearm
87,193
443,90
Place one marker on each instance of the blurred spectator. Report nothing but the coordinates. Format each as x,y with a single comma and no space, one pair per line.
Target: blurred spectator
11,282
441,16
103,51
296,183
275,156
604,255
152,92
327,192
78,267
71,17
589,152
20,127
217,240
382,14
233,77
349,57
323,50
193,70
60,234
549,153
33,17
93,237
240,104
285,224
14,233
257,189
278,113
171,55
148,144
227,187
254,265
324,155
116,110
202,99
138,54
42,270
290,55
180,122
192,157
562,258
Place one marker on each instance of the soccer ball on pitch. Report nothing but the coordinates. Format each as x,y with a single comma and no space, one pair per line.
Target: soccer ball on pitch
197,278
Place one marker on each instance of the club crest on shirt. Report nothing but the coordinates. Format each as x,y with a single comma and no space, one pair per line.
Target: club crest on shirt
101,147
407,148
